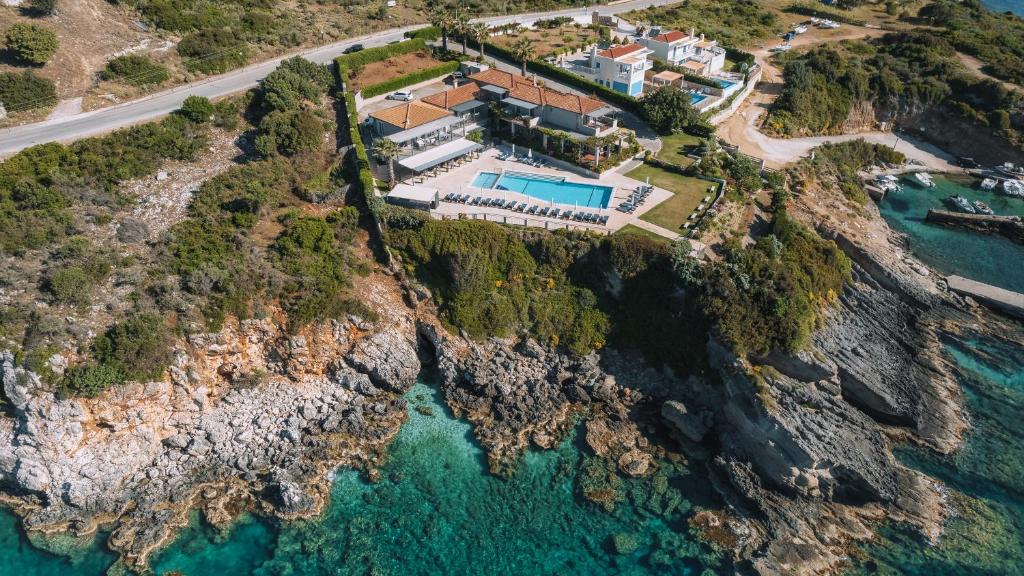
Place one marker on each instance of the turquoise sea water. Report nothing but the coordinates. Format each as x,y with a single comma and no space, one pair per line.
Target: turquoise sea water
1015,6
990,259
436,510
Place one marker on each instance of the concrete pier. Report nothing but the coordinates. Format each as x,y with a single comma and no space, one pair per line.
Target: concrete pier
1007,301
1011,227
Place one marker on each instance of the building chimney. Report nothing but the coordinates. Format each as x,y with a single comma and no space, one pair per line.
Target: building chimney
693,32
534,79
701,36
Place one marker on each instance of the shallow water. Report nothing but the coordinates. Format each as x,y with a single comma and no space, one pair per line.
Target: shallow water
1015,6
990,259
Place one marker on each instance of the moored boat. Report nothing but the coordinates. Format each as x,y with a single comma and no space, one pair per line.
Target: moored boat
960,204
1013,188
988,183
925,179
982,208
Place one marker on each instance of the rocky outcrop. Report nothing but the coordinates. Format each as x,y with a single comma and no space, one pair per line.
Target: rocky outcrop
249,418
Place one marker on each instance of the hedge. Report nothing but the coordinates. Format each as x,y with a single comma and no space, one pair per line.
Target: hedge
362,167
739,56
364,57
409,79
429,33
624,101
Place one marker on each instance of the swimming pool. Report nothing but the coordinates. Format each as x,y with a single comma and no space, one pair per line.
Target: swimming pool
726,84
696,98
546,188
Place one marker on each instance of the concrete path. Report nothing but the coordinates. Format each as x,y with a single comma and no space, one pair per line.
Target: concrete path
655,229
69,128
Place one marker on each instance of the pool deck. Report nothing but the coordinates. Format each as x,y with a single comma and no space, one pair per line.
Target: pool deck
458,180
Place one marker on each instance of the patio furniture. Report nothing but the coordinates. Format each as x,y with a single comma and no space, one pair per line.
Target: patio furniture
532,210
603,220
476,201
521,207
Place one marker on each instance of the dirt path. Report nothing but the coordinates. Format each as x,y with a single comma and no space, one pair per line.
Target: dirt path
742,128
978,67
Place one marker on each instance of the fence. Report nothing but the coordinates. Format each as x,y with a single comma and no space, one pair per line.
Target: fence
517,220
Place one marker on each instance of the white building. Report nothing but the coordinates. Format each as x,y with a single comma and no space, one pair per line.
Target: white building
620,68
695,53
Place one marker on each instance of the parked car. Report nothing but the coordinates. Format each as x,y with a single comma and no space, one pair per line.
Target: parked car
457,75
402,95
353,48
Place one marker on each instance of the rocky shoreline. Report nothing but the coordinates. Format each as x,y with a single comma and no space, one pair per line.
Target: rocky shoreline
252,419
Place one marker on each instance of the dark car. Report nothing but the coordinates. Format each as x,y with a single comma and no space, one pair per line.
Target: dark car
353,48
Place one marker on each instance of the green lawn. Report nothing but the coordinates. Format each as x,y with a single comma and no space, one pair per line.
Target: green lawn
674,147
631,229
689,191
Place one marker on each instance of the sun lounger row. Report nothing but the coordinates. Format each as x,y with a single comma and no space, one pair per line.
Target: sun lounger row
636,198
516,206
529,160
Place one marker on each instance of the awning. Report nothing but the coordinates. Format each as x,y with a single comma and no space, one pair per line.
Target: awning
423,129
601,112
413,193
520,103
495,89
467,106
443,153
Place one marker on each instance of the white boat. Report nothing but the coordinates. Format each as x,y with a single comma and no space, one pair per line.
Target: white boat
888,182
800,29
925,179
961,204
1008,169
982,208
781,48
988,183
1013,188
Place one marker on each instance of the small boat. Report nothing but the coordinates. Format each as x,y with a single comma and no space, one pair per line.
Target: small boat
1013,188
960,204
800,29
1008,169
925,179
830,24
888,183
988,183
982,208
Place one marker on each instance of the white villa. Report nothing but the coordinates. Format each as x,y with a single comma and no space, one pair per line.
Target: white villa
620,68
696,54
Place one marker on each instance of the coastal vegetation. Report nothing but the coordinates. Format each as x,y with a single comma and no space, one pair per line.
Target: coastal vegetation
901,77
733,24
26,91
31,43
136,70
995,39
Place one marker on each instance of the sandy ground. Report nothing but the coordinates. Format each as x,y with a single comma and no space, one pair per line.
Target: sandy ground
741,129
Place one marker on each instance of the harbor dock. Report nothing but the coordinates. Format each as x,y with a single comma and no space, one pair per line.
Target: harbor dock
1007,301
1011,227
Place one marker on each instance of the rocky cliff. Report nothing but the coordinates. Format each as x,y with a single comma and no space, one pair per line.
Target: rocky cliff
250,418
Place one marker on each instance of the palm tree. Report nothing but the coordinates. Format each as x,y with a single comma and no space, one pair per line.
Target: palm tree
479,33
461,26
444,20
385,148
523,51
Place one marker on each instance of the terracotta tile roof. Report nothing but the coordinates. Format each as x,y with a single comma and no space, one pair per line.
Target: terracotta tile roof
555,99
619,51
500,78
410,114
672,36
453,97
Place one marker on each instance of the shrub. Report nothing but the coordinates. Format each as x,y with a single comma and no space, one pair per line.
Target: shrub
90,379
31,43
430,33
213,51
136,70
26,91
139,347
196,109
290,133
668,109
42,7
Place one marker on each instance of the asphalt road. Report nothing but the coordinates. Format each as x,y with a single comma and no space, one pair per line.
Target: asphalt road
105,120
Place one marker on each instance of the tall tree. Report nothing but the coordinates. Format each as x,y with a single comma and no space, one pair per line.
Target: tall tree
385,148
479,32
460,26
523,50
444,20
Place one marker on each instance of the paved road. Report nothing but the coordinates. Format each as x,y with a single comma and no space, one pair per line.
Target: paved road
105,120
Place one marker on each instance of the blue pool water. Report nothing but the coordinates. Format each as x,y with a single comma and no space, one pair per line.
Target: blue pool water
697,98
547,188
726,84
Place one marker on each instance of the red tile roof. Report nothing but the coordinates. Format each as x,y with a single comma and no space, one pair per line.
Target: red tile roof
453,97
524,89
410,114
500,78
671,36
617,51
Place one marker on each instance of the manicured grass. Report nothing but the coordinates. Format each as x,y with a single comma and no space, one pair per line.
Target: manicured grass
631,229
688,193
674,147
